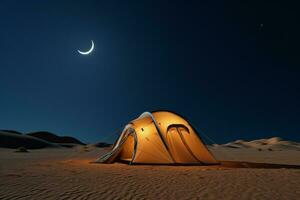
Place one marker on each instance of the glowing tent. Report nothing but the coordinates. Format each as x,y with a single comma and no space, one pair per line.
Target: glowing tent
161,137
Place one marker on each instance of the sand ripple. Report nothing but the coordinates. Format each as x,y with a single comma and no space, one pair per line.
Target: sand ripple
76,178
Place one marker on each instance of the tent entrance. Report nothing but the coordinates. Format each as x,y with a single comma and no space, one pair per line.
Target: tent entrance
127,151
178,147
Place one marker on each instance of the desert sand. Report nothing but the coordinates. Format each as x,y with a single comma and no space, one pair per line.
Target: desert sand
69,173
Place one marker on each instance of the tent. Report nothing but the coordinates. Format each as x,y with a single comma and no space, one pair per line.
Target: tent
160,137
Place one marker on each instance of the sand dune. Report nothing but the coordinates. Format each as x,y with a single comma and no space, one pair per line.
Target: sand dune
50,137
36,140
56,173
12,140
11,131
274,143
101,144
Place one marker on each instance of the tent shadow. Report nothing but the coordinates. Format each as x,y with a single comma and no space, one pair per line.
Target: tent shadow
242,164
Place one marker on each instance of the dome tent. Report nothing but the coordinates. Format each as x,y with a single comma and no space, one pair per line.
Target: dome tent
160,137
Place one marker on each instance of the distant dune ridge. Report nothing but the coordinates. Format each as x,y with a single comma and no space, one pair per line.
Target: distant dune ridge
274,143
101,144
36,140
44,139
40,139
50,137
13,140
11,131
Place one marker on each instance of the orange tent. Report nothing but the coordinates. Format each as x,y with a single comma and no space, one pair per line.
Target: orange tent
161,137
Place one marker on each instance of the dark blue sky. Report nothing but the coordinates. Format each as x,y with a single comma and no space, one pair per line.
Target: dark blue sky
232,69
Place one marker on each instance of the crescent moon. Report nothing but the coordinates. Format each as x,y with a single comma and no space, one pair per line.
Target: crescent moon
89,51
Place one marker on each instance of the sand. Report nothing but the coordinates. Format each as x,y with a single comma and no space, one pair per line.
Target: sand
69,174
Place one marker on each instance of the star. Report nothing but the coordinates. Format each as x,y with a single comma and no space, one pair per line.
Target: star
261,26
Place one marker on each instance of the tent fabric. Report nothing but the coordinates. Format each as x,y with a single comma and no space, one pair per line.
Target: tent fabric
160,137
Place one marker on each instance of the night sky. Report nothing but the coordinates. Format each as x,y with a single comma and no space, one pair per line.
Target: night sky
232,69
